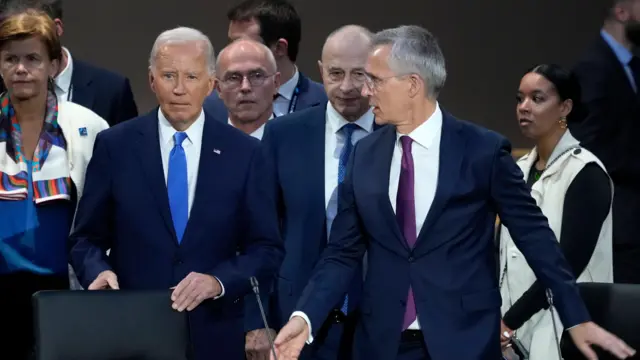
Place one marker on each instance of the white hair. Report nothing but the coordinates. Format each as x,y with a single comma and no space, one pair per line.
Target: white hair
181,35
415,50
267,52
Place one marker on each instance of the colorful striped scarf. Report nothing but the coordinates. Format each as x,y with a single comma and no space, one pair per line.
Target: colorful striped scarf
50,170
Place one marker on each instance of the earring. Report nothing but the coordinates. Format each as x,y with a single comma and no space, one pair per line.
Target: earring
563,122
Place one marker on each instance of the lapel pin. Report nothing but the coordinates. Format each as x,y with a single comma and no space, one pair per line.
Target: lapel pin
82,131
217,151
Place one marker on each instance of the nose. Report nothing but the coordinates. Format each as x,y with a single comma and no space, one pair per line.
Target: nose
179,89
346,84
524,107
366,91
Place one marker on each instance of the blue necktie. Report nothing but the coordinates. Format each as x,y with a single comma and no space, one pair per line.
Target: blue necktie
347,149
177,185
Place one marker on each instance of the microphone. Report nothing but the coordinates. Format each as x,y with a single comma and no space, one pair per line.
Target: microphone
256,290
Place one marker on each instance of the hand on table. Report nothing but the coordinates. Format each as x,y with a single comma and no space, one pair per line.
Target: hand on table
194,289
587,334
105,280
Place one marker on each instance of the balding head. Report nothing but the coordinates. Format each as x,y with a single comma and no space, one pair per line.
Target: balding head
347,38
247,81
344,56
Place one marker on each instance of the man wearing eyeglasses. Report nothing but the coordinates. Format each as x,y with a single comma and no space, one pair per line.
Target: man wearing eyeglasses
247,81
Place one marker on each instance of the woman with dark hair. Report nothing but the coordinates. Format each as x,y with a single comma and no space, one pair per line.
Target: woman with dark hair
574,191
45,147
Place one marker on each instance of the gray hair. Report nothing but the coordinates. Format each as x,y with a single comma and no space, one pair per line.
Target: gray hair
181,35
414,50
267,52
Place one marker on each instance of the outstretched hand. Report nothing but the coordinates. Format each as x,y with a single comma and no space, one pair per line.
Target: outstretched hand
291,339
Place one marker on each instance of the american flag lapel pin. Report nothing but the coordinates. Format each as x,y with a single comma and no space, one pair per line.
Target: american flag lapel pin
82,131
217,151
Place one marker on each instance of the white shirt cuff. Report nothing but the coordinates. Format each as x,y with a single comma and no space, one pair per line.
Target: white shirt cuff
306,319
221,286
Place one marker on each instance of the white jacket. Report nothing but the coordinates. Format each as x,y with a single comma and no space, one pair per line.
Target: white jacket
566,161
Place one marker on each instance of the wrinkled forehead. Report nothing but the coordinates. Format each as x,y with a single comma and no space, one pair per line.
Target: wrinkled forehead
245,59
190,55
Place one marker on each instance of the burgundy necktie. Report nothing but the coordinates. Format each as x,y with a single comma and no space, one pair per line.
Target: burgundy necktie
406,215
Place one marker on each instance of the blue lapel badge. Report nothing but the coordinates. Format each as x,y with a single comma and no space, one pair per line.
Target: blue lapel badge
83,131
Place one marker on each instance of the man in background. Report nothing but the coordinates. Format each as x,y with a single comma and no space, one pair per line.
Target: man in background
183,201
106,93
310,149
248,80
609,75
276,24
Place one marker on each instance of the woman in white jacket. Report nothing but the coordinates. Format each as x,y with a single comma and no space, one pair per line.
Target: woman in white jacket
574,191
45,146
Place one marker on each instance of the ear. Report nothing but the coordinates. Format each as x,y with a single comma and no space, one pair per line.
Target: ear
416,86
54,68
216,85
59,26
276,82
321,71
566,107
280,48
211,84
152,80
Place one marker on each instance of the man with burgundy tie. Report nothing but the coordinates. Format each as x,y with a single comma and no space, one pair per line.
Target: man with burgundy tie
421,198
184,203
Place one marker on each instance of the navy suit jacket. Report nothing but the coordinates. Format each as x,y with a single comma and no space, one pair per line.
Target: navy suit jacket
296,143
106,93
311,94
125,208
452,266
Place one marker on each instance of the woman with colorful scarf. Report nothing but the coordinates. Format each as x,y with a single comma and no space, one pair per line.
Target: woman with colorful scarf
45,147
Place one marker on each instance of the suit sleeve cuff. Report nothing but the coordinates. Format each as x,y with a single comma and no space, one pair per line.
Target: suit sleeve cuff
221,287
306,319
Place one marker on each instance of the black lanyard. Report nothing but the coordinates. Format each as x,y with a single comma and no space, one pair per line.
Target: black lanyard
69,90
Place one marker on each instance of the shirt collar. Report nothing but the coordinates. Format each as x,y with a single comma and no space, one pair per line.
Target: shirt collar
337,121
427,131
622,53
286,90
194,132
63,80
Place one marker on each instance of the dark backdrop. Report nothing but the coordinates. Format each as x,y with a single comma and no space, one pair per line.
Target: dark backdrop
487,43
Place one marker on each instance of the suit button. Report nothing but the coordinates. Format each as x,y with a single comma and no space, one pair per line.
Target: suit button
236,301
411,259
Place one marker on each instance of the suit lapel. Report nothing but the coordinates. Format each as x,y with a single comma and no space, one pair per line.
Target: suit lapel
81,81
150,158
452,149
314,143
304,98
381,168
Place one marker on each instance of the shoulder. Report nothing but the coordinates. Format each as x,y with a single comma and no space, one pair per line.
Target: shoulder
474,134
98,73
585,157
122,131
297,120
78,115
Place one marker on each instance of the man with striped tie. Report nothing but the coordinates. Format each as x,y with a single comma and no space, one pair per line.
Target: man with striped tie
311,149
421,198
175,194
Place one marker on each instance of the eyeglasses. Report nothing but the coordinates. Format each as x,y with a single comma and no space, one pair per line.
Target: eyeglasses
235,80
374,82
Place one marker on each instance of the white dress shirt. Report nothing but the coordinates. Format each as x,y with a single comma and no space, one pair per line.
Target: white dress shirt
281,103
192,146
425,150
333,143
64,90
258,132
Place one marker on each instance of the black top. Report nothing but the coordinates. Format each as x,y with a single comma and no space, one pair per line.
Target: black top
586,206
